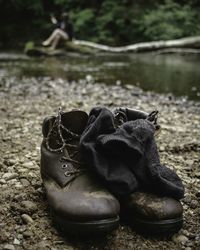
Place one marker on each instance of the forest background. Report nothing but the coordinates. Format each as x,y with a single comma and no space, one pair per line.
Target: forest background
112,22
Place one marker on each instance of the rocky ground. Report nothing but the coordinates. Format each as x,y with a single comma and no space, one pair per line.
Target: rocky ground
25,219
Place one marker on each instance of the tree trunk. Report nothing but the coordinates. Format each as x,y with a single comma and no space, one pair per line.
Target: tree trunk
188,42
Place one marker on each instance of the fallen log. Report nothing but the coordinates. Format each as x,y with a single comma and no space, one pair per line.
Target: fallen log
188,42
87,47
33,50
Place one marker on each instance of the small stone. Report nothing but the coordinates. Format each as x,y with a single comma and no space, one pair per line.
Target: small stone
131,245
180,239
9,247
40,190
189,162
22,170
9,176
118,82
189,244
24,182
187,199
28,206
27,234
18,185
28,165
2,181
129,87
188,248
16,242
42,245
194,204
20,236
185,232
2,225
27,219
161,148
10,162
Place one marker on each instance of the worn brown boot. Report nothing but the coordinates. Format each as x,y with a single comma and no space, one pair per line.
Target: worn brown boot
79,203
149,213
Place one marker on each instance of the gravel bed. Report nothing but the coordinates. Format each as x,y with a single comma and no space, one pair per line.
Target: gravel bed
25,217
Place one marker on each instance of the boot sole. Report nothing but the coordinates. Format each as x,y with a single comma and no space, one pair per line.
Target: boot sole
86,227
163,227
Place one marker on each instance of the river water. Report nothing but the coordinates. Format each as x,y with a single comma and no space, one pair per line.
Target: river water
176,74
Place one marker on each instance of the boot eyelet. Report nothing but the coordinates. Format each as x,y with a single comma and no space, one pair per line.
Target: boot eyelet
55,133
67,174
64,166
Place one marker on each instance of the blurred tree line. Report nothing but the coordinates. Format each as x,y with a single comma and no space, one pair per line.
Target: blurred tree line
113,22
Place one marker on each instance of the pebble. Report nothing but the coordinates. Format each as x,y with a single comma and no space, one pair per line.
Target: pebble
189,162
9,176
185,232
161,148
131,245
28,206
187,199
27,219
189,243
16,242
20,236
28,164
2,225
9,247
42,245
180,239
10,162
128,86
2,181
27,234
24,182
18,185
22,170
194,204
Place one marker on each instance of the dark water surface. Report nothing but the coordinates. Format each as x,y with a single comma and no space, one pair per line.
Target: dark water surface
175,74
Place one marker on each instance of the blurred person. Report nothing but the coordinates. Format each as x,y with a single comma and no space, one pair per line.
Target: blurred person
63,31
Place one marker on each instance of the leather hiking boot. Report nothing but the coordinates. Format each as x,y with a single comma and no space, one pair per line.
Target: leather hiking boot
151,214
78,202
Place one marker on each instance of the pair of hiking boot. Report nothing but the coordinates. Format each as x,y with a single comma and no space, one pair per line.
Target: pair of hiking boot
79,201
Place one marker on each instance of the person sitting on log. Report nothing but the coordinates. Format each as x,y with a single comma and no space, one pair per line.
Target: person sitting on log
63,31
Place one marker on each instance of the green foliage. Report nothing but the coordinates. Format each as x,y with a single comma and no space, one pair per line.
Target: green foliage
170,20
83,19
114,22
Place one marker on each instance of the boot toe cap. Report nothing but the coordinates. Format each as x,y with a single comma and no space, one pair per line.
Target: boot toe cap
152,207
83,206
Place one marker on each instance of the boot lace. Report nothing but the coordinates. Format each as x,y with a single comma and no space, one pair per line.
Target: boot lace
57,129
153,118
120,118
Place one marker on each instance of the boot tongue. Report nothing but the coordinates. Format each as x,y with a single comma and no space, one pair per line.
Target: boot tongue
75,121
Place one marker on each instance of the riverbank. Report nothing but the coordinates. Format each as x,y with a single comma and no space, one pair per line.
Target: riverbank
26,222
